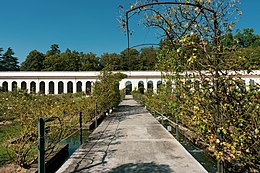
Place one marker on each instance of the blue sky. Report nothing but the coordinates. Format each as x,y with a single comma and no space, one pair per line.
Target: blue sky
82,25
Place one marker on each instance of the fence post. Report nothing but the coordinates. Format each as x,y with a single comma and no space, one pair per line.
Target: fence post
96,115
80,127
177,127
41,159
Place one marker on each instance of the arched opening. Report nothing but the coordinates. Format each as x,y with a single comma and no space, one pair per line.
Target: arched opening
5,86
51,87
42,87
69,87
128,88
88,88
60,87
79,86
141,87
150,86
23,85
159,84
14,86
33,87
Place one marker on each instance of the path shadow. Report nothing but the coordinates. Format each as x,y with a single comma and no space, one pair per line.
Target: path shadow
142,168
125,111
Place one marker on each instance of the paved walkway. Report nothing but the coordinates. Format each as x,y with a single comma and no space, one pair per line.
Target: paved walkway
131,140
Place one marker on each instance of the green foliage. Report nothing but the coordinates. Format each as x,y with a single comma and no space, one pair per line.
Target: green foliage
19,112
111,61
89,62
55,60
106,91
54,50
247,38
7,61
33,62
234,136
244,59
18,123
199,92
129,61
144,59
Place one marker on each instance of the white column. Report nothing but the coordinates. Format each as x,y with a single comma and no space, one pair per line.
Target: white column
19,84
74,84
9,85
134,84
84,86
121,84
37,86
155,86
65,83
56,87
47,87
92,85
27,86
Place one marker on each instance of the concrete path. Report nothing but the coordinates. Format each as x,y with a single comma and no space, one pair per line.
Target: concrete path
131,140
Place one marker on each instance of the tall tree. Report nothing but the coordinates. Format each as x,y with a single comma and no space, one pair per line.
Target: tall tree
129,59
147,59
110,61
54,63
71,60
89,62
54,50
1,59
247,38
8,61
33,62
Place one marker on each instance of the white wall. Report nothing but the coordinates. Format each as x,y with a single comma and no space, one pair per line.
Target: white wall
133,76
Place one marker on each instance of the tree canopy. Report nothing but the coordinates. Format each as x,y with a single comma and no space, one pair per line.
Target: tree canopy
7,61
55,60
241,47
33,62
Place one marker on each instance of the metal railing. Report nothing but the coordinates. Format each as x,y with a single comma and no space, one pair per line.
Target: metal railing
42,135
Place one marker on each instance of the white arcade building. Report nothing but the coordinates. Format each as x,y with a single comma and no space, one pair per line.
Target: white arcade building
57,82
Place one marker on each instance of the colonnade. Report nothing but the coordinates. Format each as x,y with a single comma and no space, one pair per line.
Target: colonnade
73,82
48,86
